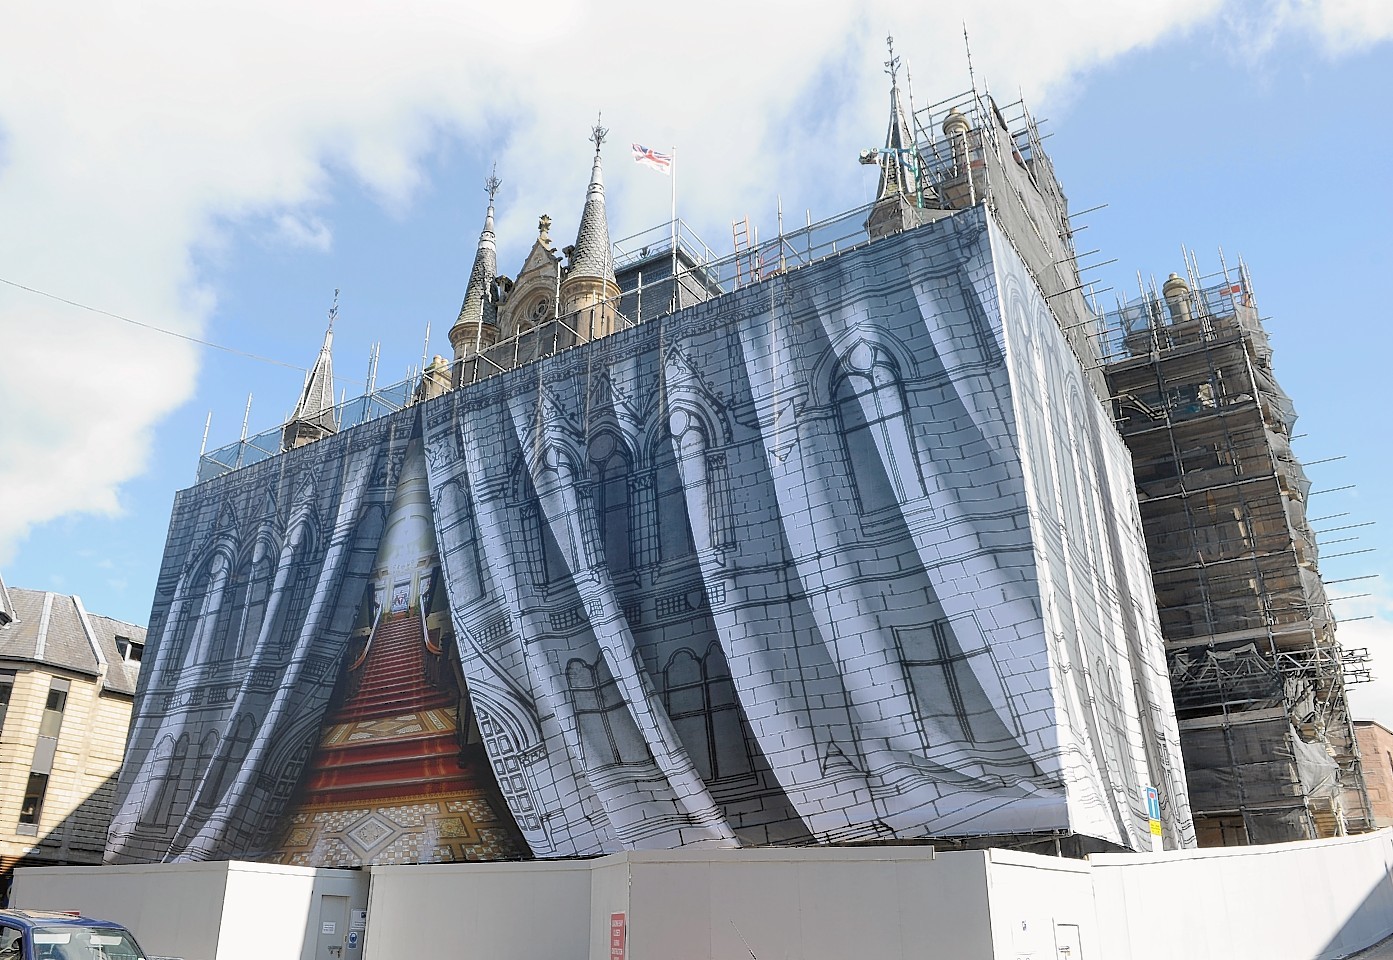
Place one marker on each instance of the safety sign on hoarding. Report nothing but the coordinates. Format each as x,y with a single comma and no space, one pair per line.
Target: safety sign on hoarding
1153,812
616,936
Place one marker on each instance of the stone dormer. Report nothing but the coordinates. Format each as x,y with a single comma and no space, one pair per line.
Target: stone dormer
531,298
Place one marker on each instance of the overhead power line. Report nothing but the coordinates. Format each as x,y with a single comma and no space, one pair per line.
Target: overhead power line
150,326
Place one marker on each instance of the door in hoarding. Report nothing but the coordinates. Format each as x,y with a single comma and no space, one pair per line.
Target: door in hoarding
332,929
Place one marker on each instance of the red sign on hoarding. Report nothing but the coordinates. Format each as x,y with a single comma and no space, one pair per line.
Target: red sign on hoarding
617,930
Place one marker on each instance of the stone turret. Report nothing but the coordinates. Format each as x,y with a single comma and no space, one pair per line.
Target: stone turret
314,417
589,291
476,329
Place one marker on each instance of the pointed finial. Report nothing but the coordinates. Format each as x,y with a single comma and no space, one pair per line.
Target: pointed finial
334,310
598,133
967,46
492,184
544,227
892,65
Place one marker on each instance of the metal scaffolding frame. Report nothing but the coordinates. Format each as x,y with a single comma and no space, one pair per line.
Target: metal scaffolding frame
1258,676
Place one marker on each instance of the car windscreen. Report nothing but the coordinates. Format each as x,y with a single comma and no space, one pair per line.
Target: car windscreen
75,942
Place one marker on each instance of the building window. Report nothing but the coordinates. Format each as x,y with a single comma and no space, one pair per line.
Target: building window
700,699
608,734
131,650
7,686
33,806
875,432
52,721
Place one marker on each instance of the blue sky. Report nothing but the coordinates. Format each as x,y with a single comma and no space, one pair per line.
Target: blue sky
221,171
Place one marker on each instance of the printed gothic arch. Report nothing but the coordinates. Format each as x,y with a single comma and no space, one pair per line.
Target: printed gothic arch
611,479
455,509
608,735
854,349
699,695
549,558
200,604
875,430
672,523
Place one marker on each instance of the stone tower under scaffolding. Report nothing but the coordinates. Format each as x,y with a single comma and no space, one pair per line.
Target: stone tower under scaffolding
1257,675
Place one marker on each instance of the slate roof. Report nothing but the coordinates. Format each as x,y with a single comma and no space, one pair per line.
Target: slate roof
56,630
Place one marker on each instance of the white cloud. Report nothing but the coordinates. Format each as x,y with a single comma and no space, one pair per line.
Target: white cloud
1342,26
303,231
1368,623
131,134
1350,24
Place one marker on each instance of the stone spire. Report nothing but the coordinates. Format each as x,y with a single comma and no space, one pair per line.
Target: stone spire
314,416
898,165
590,281
900,196
476,329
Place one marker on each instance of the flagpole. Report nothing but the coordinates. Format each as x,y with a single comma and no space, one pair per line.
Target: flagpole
673,186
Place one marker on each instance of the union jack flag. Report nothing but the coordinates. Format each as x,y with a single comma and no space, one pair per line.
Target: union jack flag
661,162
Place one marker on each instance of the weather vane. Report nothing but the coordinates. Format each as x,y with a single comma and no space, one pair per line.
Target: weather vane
892,65
598,133
334,310
492,184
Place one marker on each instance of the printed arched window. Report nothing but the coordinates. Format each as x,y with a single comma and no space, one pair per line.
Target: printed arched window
229,616
875,431
609,484
301,593
178,785
608,734
207,750
158,787
549,561
210,620
183,622
674,526
700,699
258,592
460,540
242,732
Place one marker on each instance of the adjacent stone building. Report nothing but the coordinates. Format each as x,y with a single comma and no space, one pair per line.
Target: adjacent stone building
1376,757
67,679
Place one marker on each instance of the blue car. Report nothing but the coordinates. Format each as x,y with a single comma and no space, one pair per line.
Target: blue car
40,935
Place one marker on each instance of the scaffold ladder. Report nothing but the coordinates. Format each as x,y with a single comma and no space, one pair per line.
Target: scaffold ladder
747,263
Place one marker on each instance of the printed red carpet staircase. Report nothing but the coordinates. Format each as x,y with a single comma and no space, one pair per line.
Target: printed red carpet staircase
395,737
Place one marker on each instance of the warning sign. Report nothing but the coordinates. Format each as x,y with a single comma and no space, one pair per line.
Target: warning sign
617,932
1153,813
